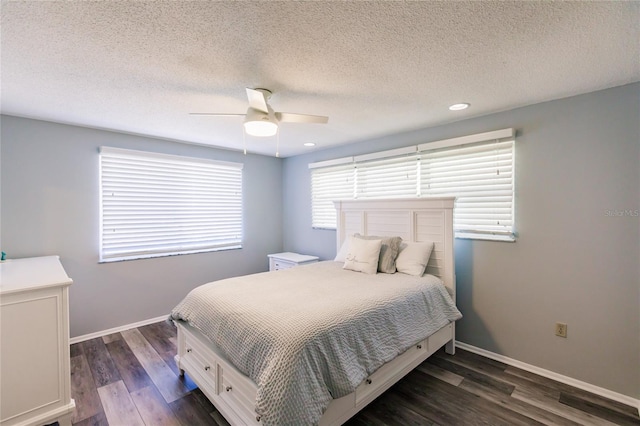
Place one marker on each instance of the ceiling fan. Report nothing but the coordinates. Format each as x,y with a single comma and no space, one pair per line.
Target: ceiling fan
261,120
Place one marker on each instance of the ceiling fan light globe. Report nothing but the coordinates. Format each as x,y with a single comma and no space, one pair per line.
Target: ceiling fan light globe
260,128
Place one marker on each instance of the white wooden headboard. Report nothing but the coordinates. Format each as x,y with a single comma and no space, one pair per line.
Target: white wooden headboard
413,219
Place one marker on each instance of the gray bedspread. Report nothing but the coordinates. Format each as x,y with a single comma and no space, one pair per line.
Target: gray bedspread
312,333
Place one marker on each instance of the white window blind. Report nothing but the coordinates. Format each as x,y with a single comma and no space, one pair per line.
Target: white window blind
480,176
328,184
158,205
388,177
477,169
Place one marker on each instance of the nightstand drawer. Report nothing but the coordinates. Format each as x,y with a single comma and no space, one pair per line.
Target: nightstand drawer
276,265
288,260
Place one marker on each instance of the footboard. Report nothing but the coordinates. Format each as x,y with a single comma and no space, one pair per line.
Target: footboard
234,394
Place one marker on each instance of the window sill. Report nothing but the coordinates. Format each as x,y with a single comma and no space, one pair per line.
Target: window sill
486,237
159,255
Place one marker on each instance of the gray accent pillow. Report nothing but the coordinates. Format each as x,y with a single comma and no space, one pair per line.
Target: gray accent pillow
388,252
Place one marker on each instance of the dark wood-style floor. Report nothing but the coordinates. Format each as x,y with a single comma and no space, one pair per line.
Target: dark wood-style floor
130,378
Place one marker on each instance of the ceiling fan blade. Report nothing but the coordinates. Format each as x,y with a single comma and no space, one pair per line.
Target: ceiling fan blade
215,113
257,100
288,117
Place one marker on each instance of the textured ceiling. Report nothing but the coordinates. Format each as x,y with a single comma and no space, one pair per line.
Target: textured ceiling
375,68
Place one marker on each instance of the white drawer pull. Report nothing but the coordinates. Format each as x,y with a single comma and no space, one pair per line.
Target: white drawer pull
207,368
258,418
368,381
419,346
229,388
189,350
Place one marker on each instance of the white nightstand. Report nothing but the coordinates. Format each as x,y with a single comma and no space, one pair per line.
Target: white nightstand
288,260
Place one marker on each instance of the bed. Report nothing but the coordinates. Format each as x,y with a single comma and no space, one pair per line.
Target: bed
308,345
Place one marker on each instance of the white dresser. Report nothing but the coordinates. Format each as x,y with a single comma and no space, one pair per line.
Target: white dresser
34,342
287,260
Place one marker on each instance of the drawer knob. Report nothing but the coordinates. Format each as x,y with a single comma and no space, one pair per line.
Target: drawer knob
189,350
258,418
228,388
368,381
207,368
419,346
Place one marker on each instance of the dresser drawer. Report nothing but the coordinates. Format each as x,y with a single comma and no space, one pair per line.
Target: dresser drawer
34,340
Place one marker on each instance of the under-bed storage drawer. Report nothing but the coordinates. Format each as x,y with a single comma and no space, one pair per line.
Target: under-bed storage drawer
201,361
236,390
232,393
388,374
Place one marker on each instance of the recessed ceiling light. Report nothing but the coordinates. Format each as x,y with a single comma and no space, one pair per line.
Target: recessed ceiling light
309,144
458,107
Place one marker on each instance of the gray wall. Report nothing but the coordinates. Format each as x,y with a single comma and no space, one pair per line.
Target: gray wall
576,159
49,205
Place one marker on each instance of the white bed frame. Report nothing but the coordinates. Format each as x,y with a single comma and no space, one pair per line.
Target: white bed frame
416,219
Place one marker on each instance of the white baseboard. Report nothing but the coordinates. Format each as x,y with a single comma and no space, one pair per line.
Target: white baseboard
597,390
90,336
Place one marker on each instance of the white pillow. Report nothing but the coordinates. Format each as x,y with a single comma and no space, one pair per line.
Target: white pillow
388,252
363,255
413,258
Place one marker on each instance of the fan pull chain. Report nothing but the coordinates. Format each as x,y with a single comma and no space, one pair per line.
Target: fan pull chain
244,140
278,143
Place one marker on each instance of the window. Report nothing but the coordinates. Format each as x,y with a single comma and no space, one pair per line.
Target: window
330,182
481,178
478,170
393,176
155,205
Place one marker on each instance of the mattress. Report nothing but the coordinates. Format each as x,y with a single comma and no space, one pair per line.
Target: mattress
308,334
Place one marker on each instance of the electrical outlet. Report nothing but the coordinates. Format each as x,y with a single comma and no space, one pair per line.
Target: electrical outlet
561,329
